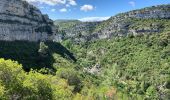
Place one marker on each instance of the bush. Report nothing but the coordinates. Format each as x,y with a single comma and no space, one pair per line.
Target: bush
2,92
151,92
43,50
11,76
17,84
163,42
144,85
167,84
72,77
166,94
130,35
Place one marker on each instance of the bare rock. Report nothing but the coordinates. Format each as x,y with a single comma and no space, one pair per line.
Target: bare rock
21,21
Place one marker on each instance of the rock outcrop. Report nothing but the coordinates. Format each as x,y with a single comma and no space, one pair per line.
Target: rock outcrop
79,32
160,11
76,30
21,21
134,22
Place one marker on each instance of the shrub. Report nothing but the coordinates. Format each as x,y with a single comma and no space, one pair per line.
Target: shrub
15,84
72,77
163,42
151,92
130,35
43,50
144,85
167,85
2,92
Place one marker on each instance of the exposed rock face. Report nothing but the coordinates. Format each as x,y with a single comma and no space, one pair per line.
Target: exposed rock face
75,30
123,24
162,11
80,31
22,21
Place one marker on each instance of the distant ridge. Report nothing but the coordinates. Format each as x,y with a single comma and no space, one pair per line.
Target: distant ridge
154,19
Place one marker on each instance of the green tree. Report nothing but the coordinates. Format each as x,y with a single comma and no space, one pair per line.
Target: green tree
43,49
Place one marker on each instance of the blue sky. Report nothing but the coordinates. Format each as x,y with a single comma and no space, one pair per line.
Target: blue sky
90,9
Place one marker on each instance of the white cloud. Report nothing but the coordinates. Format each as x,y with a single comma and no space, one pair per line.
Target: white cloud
67,5
49,2
86,8
72,2
132,3
54,2
53,10
63,10
92,19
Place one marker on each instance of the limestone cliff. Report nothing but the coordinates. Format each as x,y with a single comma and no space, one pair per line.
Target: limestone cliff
75,30
134,22
21,21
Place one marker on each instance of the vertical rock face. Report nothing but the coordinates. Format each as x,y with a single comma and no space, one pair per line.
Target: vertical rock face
22,21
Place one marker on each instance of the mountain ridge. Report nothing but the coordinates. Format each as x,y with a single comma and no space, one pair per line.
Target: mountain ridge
121,24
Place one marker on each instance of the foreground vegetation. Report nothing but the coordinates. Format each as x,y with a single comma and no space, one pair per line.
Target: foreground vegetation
128,68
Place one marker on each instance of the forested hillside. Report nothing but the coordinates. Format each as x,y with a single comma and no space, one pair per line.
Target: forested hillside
135,67
128,68
123,58
65,24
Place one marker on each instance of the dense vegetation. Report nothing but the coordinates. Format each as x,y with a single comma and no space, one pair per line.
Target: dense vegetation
133,66
122,58
128,68
64,24
137,66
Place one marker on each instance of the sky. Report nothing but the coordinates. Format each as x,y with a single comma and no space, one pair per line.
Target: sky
90,10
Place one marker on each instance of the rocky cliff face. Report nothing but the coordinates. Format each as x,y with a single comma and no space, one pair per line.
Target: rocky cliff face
81,31
160,11
75,30
22,21
134,22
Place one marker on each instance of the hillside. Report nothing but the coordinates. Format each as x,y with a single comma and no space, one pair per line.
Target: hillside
74,29
128,68
131,67
126,57
148,20
65,24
